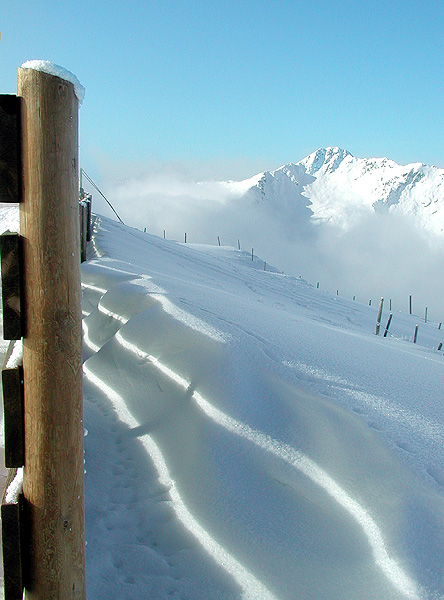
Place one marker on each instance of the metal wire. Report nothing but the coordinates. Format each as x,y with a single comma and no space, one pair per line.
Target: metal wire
83,173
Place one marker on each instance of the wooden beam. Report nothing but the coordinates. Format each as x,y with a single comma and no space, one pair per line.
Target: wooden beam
12,380
52,346
83,216
10,149
10,248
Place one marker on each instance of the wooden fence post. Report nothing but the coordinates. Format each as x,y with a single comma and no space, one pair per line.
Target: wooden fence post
378,318
52,360
388,324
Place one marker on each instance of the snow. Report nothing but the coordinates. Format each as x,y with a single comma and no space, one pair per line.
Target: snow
15,488
16,355
321,218
52,69
347,187
249,436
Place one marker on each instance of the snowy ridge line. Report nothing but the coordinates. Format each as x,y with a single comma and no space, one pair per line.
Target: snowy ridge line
94,288
186,318
101,265
86,339
110,313
388,565
158,294
253,589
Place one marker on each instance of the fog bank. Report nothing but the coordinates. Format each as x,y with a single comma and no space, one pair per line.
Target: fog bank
378,254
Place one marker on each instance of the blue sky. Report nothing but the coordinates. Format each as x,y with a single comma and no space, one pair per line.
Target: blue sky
233,87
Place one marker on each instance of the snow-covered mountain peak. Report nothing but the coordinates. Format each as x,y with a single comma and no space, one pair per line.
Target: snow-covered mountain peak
342,188
325,160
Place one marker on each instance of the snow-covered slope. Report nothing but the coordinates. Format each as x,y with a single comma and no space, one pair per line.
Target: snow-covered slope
249,436
282,192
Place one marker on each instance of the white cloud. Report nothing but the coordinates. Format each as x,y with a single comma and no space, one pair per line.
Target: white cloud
380,254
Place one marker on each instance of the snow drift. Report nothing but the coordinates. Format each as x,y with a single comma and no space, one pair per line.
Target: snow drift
248,434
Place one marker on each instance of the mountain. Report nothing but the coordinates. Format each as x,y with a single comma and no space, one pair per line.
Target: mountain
360,227
331,185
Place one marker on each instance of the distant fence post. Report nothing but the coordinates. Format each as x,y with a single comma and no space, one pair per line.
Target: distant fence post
52,360
378,318
388,324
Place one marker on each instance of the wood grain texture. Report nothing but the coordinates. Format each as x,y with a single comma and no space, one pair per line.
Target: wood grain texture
52,366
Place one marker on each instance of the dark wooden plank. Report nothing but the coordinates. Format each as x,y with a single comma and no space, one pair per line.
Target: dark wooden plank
83,230
12,380
10,149
12,543
11,286
88,201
